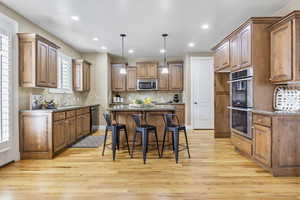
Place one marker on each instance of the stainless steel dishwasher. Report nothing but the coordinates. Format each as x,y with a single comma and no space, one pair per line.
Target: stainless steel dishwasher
94,118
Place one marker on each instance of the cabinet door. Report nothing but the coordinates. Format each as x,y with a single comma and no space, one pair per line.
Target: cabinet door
217,59
131,79
79,128
281,53
175,77
118,79
86,76
152,70
86,124
72,129
42,65
163,80
52,67
245,37
262,144
59,139
77,76
141,70
225,55
235,52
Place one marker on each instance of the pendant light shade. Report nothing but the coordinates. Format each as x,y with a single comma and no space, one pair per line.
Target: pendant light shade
165,69
123,69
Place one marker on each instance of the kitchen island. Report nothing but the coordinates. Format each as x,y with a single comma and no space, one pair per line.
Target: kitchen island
153,115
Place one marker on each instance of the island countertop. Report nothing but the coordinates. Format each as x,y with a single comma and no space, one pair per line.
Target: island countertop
143,109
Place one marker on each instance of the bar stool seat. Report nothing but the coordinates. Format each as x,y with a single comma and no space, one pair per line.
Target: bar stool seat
115,129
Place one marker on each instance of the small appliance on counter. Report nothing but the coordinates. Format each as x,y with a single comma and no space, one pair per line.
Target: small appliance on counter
118,99
176,98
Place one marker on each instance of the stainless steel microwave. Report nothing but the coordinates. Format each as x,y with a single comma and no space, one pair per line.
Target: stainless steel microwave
147,84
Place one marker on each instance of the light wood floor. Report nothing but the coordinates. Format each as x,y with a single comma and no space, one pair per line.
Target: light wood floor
215,171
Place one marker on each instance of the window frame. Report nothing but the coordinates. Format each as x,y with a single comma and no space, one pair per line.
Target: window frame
59,89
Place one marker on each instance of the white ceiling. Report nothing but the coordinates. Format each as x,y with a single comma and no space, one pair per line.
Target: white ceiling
143,21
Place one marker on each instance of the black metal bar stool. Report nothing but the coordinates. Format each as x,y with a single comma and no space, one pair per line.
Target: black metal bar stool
115,129
175,130
144,130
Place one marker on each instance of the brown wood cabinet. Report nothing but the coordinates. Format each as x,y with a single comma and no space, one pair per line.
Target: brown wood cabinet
221,56
175,76
44,134
276,143
118,80
241,144
245,49
146,70
221,98
37,61
81,75
180,113
163,80
262,144
282,52
131,79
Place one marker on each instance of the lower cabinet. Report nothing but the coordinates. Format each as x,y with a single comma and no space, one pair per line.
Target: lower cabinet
242,144
59,138
262,144
44,134
180,112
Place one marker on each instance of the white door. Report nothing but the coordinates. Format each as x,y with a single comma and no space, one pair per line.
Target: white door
202,93
9,148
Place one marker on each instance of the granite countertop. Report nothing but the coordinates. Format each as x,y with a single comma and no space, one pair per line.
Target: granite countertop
275,112
63,108
130,108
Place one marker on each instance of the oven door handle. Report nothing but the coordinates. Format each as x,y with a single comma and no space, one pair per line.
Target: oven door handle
241,109
244,79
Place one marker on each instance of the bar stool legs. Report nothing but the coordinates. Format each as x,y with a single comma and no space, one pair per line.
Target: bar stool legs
104,144
176,143
187,143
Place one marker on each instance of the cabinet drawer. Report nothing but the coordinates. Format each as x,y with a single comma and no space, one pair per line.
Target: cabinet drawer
262,120
242,143
70,113
82,111
180,107
59,116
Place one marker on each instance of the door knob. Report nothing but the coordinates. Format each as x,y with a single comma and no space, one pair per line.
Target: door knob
195,103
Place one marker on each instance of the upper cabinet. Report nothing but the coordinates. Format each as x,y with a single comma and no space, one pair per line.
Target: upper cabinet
81,75
37,61
131,79
245,49
146,70
118,80
163,80
285,49
175,76
221,56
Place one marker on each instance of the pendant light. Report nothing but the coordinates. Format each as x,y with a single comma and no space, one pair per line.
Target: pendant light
123,68
165,69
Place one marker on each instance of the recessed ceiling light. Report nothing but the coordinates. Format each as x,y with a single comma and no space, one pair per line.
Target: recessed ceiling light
95,39
205,26
191,44
130,51
162,51
103,47
75,18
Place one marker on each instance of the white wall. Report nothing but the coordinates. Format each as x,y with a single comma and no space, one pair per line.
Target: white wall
291,6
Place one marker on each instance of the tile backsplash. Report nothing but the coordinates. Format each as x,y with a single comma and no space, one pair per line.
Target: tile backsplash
60,98
157,96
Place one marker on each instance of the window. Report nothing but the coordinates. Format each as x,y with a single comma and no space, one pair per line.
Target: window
64,75
5,94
